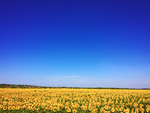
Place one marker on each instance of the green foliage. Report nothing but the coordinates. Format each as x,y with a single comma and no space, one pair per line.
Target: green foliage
34,86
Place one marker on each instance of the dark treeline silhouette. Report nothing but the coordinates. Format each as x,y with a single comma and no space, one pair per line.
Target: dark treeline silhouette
34,86
17,86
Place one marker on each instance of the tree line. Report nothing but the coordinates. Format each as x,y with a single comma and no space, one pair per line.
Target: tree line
34,86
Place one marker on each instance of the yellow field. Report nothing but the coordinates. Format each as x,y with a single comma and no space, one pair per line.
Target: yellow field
74,100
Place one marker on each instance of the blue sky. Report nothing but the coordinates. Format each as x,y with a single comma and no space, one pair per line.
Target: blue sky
75,43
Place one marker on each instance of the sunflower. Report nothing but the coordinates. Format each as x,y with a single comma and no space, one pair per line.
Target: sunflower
116,109
102,110
1,106
62,106
74,111
94,107
141,105
38,109
98,104
72,107
112,110
147,110
58,109
46,109
147,106
23,107
54,109
9,103
120,109
122,106
83,103
137,109
4,107
66,107
13,107
43,105
106,107
33,109
17,107
93,111
68,110
85,107
142,110
77,105
50,107
82,107
135,104
127,111
9,107
4,103
90,108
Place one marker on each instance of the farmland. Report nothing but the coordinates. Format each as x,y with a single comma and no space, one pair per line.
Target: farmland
19,100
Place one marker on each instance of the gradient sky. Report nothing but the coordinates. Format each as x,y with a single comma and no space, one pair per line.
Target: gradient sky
75,43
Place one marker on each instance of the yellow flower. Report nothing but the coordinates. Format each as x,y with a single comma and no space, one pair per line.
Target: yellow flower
46,109
9,107
33,109
1,106
136,111
141,105
135,104
106,107
102,110
54,109
29,108
94,107
66,107
116,109
82,107
17,107
68,110
148,106
112,110
24,107
93,111
77,105
98,104
85,107
127,111
142,110
4,103
122,106
147,110
74,110
58,108
13,107
120,109
38,109
50,107
4,107
90,108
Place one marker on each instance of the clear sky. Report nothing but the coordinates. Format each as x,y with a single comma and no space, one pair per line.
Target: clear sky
75,43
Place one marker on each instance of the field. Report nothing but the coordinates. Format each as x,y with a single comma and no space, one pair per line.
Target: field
74,100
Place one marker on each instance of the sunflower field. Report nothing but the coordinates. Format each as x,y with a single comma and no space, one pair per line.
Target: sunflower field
74,101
